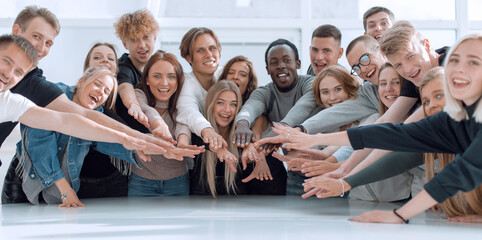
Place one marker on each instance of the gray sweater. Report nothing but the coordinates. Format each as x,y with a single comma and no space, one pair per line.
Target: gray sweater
346,112
291,107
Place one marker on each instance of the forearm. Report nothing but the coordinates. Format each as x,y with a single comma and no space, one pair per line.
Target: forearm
63,186
398,110
388,166
127,94
416,205
69,124
374,156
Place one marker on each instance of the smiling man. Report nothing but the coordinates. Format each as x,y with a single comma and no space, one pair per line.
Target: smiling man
325,49
377,20
287,99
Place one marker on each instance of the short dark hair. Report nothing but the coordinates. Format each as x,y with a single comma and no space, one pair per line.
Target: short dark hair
281,42
375,10
368,41
327,30
22,43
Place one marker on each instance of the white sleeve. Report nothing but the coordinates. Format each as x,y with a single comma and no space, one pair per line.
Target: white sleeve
190,105
12,106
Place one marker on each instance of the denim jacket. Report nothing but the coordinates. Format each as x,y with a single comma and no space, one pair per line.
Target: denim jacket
40,153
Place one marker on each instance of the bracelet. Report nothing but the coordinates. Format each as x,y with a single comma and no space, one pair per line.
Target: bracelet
303,129
406,221
64,196
343,186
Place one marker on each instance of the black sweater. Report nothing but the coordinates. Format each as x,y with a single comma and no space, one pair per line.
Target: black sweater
439,134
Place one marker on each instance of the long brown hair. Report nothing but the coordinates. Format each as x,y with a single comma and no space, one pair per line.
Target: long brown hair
168,57
209,160
383,108
253,78
109,45
463,203
348,83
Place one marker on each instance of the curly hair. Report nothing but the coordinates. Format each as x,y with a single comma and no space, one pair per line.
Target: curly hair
130,25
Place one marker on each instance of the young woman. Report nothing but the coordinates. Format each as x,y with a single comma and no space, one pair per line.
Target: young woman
240,70
159,88
51,162
103,175
223,176
456,130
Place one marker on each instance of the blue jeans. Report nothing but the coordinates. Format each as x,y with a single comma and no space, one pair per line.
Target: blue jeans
139,186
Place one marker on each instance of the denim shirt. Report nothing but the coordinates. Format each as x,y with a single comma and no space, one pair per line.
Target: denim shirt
40,153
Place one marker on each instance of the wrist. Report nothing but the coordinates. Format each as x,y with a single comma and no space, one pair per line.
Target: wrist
242,123
134,103
206,131
397,214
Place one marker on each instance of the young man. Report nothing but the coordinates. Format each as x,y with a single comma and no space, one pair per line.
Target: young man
325,49
137,31
376,21
288,99
40,27
361,48
202,50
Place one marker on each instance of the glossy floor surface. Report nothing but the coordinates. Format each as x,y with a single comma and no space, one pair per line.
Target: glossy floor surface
225,218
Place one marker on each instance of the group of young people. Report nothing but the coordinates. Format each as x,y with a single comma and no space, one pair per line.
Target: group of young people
139,125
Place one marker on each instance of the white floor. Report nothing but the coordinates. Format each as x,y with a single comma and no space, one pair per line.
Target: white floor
238,217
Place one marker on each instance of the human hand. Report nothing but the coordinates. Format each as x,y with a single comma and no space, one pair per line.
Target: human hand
261,172
377,216
243,134
212,138
294,138
249,153
161,130
316,168
136,112
226,156
326,187
340,172
132,143
182,151
314,154
71,200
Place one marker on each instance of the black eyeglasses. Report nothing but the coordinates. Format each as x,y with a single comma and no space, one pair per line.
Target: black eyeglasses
364,61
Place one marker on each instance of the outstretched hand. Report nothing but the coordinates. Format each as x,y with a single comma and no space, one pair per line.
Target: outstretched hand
136,112
325,187
377,216
261,171
226,156
212,138
243,134
317,168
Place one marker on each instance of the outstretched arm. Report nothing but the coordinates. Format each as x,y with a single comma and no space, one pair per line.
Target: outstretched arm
77,126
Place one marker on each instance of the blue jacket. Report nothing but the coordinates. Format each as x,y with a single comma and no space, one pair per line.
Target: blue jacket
40,154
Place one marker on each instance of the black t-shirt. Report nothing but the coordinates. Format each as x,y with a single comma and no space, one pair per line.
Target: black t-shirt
96,164
35,87
199,187
409,89
128,74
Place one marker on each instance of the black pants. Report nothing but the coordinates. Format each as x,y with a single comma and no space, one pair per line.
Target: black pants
277,186
114,185
12,186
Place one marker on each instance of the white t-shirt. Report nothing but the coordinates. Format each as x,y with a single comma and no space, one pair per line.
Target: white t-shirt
12,106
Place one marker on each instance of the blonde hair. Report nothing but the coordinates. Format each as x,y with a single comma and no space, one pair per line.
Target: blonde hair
454,107
348,83
399,38
209,159
463,203
130,25
98,71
